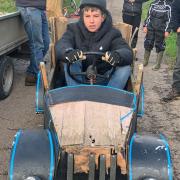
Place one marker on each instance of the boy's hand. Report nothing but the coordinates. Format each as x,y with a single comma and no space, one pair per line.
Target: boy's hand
166,34
74,55
145,29
178,30
111,57
131,1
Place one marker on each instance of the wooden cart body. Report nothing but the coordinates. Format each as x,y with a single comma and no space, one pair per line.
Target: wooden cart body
90,133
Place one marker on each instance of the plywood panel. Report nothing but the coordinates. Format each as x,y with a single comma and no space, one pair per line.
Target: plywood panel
102,124
68,120
54,8
90,123
126,30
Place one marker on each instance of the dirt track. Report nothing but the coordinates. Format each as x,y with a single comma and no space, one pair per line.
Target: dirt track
18,110
160,117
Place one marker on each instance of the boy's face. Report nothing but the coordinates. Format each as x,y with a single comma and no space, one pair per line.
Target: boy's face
93,19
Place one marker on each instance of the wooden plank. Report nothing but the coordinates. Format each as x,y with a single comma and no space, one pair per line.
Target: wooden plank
68,121
54,8
44,75
52,52
90,123
126,30
102,124
139,79
60,27
121,162
52,27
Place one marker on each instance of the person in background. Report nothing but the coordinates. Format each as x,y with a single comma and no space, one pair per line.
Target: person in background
131,14
157,28
94,32
175,90
36,26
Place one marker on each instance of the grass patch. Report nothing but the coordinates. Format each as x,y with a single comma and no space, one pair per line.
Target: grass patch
7,6
146,9
171,45
171,50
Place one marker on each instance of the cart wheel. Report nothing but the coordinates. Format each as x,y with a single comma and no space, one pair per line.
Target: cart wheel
34,155
6,76
149,158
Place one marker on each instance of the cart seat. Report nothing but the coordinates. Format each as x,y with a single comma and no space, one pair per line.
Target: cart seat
95,93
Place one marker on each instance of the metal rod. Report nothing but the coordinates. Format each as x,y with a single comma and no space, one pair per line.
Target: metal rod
91,167
113,167
70,167
102,167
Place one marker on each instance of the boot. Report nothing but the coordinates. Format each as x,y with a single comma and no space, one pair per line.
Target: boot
172,95
158,61
30,80
146,57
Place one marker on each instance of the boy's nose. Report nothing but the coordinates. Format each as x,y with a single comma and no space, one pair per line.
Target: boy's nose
92,19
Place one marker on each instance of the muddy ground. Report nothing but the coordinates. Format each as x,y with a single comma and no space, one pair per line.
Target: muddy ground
18,110
160,117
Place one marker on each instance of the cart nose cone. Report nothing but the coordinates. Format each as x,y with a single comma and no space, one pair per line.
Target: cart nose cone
149,178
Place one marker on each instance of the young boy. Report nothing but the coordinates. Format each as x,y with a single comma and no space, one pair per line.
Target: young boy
94,32
157,28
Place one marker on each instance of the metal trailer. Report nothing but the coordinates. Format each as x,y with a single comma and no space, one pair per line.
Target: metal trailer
12,35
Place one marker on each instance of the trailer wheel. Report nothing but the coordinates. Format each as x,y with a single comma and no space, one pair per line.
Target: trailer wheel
6,76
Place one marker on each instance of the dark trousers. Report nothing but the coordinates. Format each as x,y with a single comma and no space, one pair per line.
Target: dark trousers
135,22
176,73
154,37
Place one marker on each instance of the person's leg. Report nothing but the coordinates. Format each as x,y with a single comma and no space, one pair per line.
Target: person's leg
160,47
120,77
149,39
45,33
33,25
76,67
136,23
148,44
176,72
174,93
127,19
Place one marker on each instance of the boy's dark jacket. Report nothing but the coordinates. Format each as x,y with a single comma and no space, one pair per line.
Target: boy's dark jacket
106,39
134,8
175,15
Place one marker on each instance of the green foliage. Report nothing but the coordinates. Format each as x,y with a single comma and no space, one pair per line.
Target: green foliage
171,45
7,6
171,48
146,8
70,6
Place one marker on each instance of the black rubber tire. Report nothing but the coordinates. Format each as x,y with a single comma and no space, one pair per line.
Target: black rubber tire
6,76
